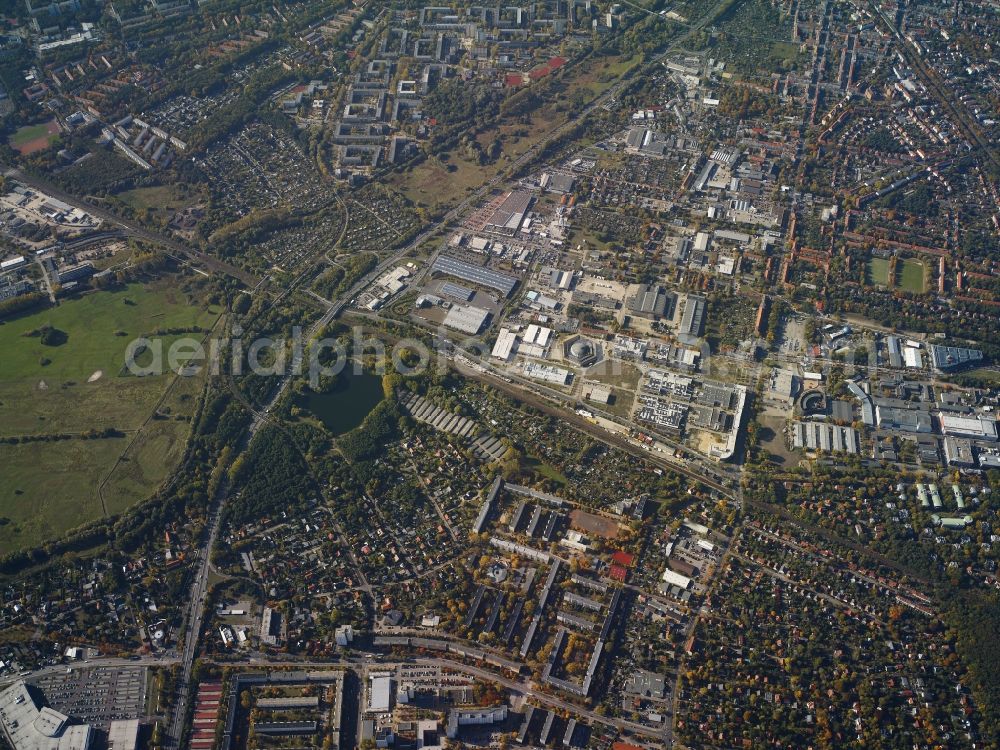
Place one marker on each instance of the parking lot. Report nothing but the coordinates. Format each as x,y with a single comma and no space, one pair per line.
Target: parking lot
97,696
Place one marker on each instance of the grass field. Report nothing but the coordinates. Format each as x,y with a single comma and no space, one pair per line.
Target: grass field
597,75
991,375
910,276
431,182
155,449
546,470
50,488
98,329
784,51
145,465
53,487
110,402
589,239
32,138
877,272
162,200
29,133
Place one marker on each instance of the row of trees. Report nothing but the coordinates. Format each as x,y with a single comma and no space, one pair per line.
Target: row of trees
14,305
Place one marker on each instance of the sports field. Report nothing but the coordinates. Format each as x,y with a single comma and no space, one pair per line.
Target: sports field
910,276
52,486
877,272
32,138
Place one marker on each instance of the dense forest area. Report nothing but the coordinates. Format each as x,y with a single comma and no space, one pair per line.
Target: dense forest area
273,477
379,427
340,278
975,619
459,104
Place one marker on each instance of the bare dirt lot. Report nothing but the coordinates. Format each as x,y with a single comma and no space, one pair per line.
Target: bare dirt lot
596,525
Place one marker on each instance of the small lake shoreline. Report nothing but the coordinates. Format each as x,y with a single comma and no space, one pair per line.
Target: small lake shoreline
345,407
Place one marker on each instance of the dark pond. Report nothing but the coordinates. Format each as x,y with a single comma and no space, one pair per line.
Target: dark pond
347,405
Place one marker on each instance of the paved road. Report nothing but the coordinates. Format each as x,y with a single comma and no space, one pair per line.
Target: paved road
193,620
195,611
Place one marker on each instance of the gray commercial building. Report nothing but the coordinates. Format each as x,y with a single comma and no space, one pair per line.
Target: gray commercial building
946,358
479,275
28,727
693,320
652,301
466,318
958,452
904,420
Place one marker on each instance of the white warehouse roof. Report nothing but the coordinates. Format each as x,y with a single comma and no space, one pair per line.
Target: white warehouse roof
504,346
676,579
536,334
378,693
123,735
466,318
979,428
